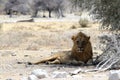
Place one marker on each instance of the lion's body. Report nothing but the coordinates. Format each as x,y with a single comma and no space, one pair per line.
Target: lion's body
58,58
77,54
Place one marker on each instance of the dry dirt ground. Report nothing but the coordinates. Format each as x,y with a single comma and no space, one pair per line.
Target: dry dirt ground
25,41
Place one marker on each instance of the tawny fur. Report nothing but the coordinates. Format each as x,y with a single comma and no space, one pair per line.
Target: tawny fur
87,53
57,58
75,56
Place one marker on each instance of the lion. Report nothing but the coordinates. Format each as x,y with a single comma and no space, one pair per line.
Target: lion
82,49
81,52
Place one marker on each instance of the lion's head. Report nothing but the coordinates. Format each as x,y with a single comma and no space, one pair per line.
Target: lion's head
80,42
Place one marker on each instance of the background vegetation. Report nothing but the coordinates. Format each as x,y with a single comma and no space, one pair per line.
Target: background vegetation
106,11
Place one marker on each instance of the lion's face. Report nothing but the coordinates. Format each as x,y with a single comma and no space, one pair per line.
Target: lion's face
80,41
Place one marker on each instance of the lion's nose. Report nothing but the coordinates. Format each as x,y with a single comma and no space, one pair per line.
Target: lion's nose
82,49
79,46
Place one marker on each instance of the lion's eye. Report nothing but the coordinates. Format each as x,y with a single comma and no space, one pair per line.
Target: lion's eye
83,42
77,42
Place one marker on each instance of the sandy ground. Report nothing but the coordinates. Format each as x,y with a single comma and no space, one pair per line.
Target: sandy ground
23,42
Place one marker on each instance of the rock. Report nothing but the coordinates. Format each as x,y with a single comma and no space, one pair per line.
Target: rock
13,54
58,74
76,71
114,75
8,53
77,76
32,77
26,55
40,73
24,78
9,79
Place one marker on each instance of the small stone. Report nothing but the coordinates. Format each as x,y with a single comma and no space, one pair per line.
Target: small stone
32,77
9,79
114,75
77,76
58,74
40,73
26,55
13,54
20,74
24,78
76,71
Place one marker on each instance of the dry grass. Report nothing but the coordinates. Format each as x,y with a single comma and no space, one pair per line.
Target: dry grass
34,40
36,35
37,26
33,36
29,40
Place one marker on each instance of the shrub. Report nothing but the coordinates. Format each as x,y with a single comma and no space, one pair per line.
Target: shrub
110,45
83,22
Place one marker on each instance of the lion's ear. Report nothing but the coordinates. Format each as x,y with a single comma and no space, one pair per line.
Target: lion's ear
73,38
89,38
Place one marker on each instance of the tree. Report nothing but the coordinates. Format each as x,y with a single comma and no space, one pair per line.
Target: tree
2,5
108,12
49,5
76,5
18,6
82,4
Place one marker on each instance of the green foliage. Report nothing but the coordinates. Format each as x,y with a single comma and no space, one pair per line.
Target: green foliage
108,12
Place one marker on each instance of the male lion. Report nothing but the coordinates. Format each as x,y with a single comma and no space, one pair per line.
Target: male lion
81,52
82,49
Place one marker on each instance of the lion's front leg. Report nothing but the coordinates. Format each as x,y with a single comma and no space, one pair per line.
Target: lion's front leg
56,61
